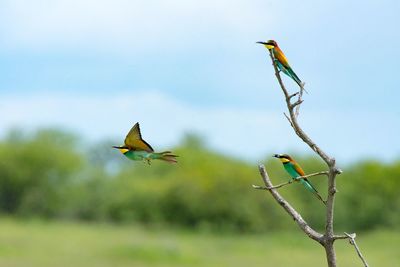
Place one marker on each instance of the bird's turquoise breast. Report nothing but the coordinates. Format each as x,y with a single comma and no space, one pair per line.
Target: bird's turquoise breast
290,169
136,155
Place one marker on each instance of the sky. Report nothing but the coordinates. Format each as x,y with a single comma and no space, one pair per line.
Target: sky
97,67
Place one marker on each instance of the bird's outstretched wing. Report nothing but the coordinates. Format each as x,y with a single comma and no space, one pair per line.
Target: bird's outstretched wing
134,140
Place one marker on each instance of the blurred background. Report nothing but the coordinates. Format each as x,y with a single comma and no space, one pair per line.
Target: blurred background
76,75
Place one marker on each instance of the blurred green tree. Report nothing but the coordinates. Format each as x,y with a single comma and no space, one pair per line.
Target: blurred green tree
51,174
33,170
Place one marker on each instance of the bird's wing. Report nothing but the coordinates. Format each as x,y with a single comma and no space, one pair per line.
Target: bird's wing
134,140
298,169
280,56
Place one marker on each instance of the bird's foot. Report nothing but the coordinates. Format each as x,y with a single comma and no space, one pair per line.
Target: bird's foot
147,160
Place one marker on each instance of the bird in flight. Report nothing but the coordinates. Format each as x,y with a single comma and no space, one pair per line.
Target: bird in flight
135,148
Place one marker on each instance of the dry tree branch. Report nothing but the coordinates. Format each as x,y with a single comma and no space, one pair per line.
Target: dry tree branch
290,210
328,238
299,100
291,181
295,125
352,241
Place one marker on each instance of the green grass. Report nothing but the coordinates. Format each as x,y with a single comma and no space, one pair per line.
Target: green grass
38,243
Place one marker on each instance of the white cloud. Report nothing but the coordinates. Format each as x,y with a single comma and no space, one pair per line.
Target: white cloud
124,24
244,133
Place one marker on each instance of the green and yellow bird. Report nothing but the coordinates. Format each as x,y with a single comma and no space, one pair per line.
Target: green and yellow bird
135,148
281,61
294,169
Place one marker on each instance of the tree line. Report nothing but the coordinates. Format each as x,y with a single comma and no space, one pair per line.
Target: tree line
57,175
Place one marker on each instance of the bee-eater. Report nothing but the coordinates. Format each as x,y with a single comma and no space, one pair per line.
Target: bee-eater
281,61
294,169
135,148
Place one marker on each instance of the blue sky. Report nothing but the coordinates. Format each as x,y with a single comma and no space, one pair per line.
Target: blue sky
97,67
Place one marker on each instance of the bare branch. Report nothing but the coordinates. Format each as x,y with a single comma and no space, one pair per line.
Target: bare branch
290,121
310,232
273,187
293,109
298,102
293,95
352,240
336,237
291,181
329,161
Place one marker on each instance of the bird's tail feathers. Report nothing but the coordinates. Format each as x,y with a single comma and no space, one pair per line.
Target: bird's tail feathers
320,198
297,79
302,84
167,156
311,188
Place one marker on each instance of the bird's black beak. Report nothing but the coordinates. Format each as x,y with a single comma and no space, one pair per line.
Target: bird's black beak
275,156
264,43
117,147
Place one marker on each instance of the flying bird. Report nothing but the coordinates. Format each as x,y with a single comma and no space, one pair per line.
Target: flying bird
294,169
281,61
135,148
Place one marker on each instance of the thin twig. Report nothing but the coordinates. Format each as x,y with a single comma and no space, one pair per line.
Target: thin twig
293,95
297,103
352,241
290,121
291,181
336,237
299,100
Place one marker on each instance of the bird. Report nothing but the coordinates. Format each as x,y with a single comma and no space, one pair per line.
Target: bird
135,148
281,61
294,169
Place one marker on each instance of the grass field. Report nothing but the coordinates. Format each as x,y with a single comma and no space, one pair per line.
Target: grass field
38,243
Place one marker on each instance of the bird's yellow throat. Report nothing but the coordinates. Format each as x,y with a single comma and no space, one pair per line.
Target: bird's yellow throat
283,160
269,46
123,150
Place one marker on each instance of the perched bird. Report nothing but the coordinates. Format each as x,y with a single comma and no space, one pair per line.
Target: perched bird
281,61
294,169
135,148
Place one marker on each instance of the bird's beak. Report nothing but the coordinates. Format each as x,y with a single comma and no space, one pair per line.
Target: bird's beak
117,147
275,156
269,46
